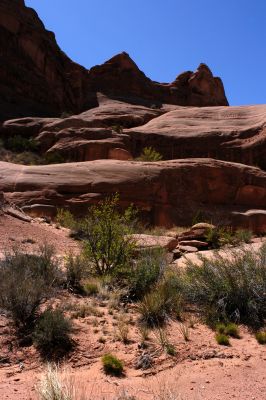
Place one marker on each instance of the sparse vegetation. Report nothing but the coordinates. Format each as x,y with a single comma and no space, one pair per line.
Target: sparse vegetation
112,365
149,154
184,330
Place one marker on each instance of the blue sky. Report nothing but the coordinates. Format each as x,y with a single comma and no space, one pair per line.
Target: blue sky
167,37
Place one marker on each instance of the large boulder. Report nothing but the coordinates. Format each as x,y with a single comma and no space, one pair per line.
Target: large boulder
166,193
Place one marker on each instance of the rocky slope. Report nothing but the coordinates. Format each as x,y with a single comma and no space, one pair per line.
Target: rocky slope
38,79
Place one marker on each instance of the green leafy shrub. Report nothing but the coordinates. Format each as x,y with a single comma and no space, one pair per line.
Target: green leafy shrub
106,244
230,287
112,365
222,339
261,337
148,268
26,280
149,154
52,332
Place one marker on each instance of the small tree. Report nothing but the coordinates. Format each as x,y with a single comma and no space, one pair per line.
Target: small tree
107,244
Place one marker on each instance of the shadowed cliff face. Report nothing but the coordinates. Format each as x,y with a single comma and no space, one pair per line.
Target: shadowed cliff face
38,79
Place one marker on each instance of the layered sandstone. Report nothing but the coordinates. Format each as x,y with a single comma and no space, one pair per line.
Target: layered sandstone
166,193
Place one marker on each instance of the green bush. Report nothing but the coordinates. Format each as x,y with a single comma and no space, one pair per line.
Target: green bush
149,154
148,268
261,337
106,244
112,365
230,287
52,333
222,339
26,280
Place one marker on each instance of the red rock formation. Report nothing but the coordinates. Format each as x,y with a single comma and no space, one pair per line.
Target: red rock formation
168,192
120,77
235,134
38,79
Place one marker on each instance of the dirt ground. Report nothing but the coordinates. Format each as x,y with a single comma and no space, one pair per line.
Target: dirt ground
201,369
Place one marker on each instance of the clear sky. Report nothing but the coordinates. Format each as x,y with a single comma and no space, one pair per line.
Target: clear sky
167,37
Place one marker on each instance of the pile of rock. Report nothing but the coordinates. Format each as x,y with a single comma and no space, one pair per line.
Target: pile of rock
189,241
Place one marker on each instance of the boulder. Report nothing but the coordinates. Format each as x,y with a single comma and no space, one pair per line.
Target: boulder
188,249
193,243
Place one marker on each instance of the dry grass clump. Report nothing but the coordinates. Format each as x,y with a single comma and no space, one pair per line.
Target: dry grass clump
230,287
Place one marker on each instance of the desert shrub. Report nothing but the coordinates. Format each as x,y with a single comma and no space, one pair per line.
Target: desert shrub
230,287
106,244
91,287
112,365
243,235
149,154
222,339
65,219
19,144
54,158
60,384
148,268
261,337
76,270
26,280
117,128
52,332
232,330
161,302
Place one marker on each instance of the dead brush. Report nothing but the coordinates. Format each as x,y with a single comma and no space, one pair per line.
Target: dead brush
123,329
184,330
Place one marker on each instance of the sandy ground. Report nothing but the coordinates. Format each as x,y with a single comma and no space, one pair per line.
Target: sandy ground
201,369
